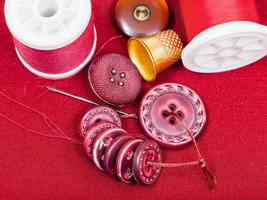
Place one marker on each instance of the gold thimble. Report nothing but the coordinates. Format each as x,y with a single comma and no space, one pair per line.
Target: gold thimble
154,54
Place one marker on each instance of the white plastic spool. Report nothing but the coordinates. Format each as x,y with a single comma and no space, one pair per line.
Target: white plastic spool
226,47
49,25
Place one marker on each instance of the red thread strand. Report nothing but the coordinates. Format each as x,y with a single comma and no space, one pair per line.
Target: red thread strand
30,130
106,43
57,131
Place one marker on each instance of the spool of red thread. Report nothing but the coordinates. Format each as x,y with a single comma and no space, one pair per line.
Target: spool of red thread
223,35
53,39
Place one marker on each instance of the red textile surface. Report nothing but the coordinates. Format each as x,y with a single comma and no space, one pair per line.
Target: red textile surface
234,139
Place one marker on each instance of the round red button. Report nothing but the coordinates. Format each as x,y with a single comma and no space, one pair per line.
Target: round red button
145,173
164,111
115,79
97,115
102,142
112,151
125,159
93,133
137,18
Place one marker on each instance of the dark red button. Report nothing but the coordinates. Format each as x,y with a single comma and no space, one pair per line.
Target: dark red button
112,151
125,159
97,115
138,18
163,111
145,173
115,79
93,133
102,142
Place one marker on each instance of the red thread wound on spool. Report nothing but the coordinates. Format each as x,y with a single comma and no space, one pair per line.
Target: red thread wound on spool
53,39
222,35
203,14
60,60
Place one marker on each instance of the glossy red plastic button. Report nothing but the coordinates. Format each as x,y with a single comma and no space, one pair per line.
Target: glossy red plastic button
165,108
112,151
145,173
101,144
93,133
97,115
125,159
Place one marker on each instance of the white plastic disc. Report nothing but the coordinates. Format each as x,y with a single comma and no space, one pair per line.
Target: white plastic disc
63,75
47,24
226,47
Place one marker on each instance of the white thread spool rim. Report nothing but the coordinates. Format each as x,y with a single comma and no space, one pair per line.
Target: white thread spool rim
62,75
211,46
77,16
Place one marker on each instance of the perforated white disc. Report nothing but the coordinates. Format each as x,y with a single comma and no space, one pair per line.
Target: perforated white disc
226,47
47,24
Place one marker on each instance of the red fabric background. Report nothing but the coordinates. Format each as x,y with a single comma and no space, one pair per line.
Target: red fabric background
234,140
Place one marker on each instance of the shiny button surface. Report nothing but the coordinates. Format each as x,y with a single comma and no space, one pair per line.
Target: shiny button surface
101,144
144,173
166,109
112,151
125,159
97,115
92,134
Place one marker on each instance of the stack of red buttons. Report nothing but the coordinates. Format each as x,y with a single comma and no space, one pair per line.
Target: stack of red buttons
116,152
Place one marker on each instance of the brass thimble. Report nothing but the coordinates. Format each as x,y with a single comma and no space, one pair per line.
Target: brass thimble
154,54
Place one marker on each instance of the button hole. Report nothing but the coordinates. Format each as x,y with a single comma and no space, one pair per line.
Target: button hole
97,121
173,121
165,113
172,107
180,114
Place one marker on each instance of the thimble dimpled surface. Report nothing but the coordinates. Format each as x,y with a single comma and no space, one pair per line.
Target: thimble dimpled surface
156,53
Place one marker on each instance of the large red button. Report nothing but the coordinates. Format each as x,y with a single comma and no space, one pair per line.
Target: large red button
125,159
101,144
97,115
142,17
166,109
145,173
115,79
